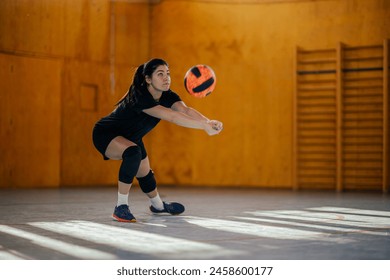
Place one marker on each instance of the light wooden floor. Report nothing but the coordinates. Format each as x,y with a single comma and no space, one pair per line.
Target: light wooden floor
76,223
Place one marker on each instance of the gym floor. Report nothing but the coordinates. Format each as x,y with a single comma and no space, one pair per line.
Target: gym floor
218,224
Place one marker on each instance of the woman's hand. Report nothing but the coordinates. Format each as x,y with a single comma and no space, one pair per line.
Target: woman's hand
213,127
217,125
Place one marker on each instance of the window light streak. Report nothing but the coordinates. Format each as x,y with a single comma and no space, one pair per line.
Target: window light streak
60,246
6,254
151,224
134,240
254,229
352,211
320,227
330,218
12,254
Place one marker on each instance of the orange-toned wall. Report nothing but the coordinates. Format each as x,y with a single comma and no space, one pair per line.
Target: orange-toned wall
64,64
74,59
251,47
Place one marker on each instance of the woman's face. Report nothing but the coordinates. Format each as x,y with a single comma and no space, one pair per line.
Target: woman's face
161,79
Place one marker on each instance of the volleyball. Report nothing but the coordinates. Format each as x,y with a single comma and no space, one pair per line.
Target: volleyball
200,80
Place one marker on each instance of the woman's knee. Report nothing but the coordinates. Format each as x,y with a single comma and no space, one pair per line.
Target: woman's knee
117,147
144,167
131,160
147,183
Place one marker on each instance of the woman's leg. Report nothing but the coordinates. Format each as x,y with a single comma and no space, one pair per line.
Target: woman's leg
148,185
133,166
121,148
115,150
117,146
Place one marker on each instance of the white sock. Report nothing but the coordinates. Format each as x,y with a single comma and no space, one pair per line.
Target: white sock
157,202
123,199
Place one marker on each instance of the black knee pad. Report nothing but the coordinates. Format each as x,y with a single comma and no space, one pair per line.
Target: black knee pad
147,183
131,159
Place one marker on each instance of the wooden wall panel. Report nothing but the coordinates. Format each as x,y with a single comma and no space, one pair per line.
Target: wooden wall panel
125,47
80,162
129,35
250,45
251,48
98,44
30,121
87,30
254,147
75,29
33,27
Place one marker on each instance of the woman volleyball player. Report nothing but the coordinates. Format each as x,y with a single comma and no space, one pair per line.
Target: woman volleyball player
118,136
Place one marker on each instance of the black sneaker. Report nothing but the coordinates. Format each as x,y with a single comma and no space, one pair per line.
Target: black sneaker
173,208
122,214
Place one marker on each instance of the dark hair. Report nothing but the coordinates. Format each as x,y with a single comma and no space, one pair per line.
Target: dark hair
138,85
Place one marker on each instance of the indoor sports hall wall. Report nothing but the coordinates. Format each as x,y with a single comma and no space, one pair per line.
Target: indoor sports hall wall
65,63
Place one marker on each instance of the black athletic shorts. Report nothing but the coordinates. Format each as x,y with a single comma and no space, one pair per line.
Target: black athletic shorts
102,137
